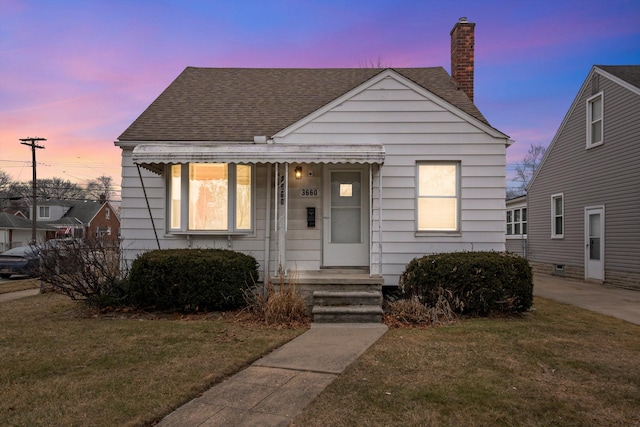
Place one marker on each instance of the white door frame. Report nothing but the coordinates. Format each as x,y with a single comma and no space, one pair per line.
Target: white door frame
346,254
593,268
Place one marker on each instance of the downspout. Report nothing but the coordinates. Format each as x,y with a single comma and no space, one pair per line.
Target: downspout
144,191
370,219
267,222
380,219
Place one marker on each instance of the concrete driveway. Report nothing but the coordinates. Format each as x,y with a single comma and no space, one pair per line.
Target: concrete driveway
616,302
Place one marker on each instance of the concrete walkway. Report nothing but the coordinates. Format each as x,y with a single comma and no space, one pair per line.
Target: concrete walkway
277,387
18,294
616,302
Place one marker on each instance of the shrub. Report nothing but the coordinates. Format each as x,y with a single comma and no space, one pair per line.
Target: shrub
484,282
86,270
191,279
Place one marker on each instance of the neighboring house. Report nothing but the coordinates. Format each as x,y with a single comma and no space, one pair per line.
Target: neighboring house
87,219
584,198
312,169
516,232
16,231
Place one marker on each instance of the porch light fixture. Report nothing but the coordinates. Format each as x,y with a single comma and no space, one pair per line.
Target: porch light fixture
298,172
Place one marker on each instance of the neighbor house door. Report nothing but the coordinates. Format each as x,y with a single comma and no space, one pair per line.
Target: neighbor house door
346,217
594,242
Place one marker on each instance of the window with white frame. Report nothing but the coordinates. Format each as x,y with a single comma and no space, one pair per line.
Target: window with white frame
43,212
517,222
215,197
438,196
557,215
595,117
107,213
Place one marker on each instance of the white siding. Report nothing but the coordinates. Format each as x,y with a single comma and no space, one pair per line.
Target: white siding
413,126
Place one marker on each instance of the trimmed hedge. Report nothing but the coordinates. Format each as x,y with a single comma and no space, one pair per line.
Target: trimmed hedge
191,279
485,282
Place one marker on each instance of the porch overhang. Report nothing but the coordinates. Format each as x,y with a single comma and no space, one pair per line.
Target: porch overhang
153,155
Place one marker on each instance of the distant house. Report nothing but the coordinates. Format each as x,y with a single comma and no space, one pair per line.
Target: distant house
16,231
317,169
87,219
516,231
584,199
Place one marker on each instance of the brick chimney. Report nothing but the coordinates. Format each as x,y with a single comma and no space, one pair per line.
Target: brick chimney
462,42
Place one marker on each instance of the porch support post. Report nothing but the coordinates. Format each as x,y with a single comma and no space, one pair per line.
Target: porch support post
267,231
283,206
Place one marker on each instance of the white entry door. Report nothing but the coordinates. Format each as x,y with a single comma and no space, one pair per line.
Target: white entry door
346,217
594,243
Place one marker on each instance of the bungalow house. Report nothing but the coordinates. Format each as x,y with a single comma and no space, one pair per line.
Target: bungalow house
16,230
583,200
86,219
317,170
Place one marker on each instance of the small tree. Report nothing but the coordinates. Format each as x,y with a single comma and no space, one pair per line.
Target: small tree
525,169
87,270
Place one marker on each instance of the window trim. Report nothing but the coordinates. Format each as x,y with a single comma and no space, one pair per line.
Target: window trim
522,222
184,202
590,121
555,235
433,232
48,212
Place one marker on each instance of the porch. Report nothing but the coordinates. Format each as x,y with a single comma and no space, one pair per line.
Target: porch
345,295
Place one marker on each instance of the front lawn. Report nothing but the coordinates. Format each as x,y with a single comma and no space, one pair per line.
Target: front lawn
557,366
64,366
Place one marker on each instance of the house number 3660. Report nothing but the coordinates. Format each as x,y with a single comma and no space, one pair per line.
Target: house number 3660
309,192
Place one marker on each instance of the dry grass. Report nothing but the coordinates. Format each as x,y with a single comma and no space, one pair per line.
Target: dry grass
64,366
557,366
279,305
14,285
411,312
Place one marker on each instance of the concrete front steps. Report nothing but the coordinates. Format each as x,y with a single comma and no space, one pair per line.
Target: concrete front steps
338,295
338,306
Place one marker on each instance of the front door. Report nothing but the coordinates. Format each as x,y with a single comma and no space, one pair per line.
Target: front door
346,217
594,243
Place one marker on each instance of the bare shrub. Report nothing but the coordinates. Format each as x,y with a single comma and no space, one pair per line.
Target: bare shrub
281,305
87,270
414,312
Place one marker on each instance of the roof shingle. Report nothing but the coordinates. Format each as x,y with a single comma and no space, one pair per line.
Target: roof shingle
236,104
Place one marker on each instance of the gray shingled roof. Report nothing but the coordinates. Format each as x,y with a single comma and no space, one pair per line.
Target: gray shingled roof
628,73
10,221
236,104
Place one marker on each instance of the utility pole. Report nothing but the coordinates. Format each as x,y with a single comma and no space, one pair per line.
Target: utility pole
32,142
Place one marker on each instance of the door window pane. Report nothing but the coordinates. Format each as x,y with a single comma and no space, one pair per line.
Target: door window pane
346,209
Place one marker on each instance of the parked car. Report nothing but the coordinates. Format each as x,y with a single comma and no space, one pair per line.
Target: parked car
23,260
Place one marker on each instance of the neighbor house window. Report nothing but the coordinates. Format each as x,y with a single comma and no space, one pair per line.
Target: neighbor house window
215,197
107,214
517,221
595,106
438,196
557,215
43,212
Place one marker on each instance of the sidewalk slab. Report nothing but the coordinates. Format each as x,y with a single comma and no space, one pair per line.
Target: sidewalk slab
9,296
277,387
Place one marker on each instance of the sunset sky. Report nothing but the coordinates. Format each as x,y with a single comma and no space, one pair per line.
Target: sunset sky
79,72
